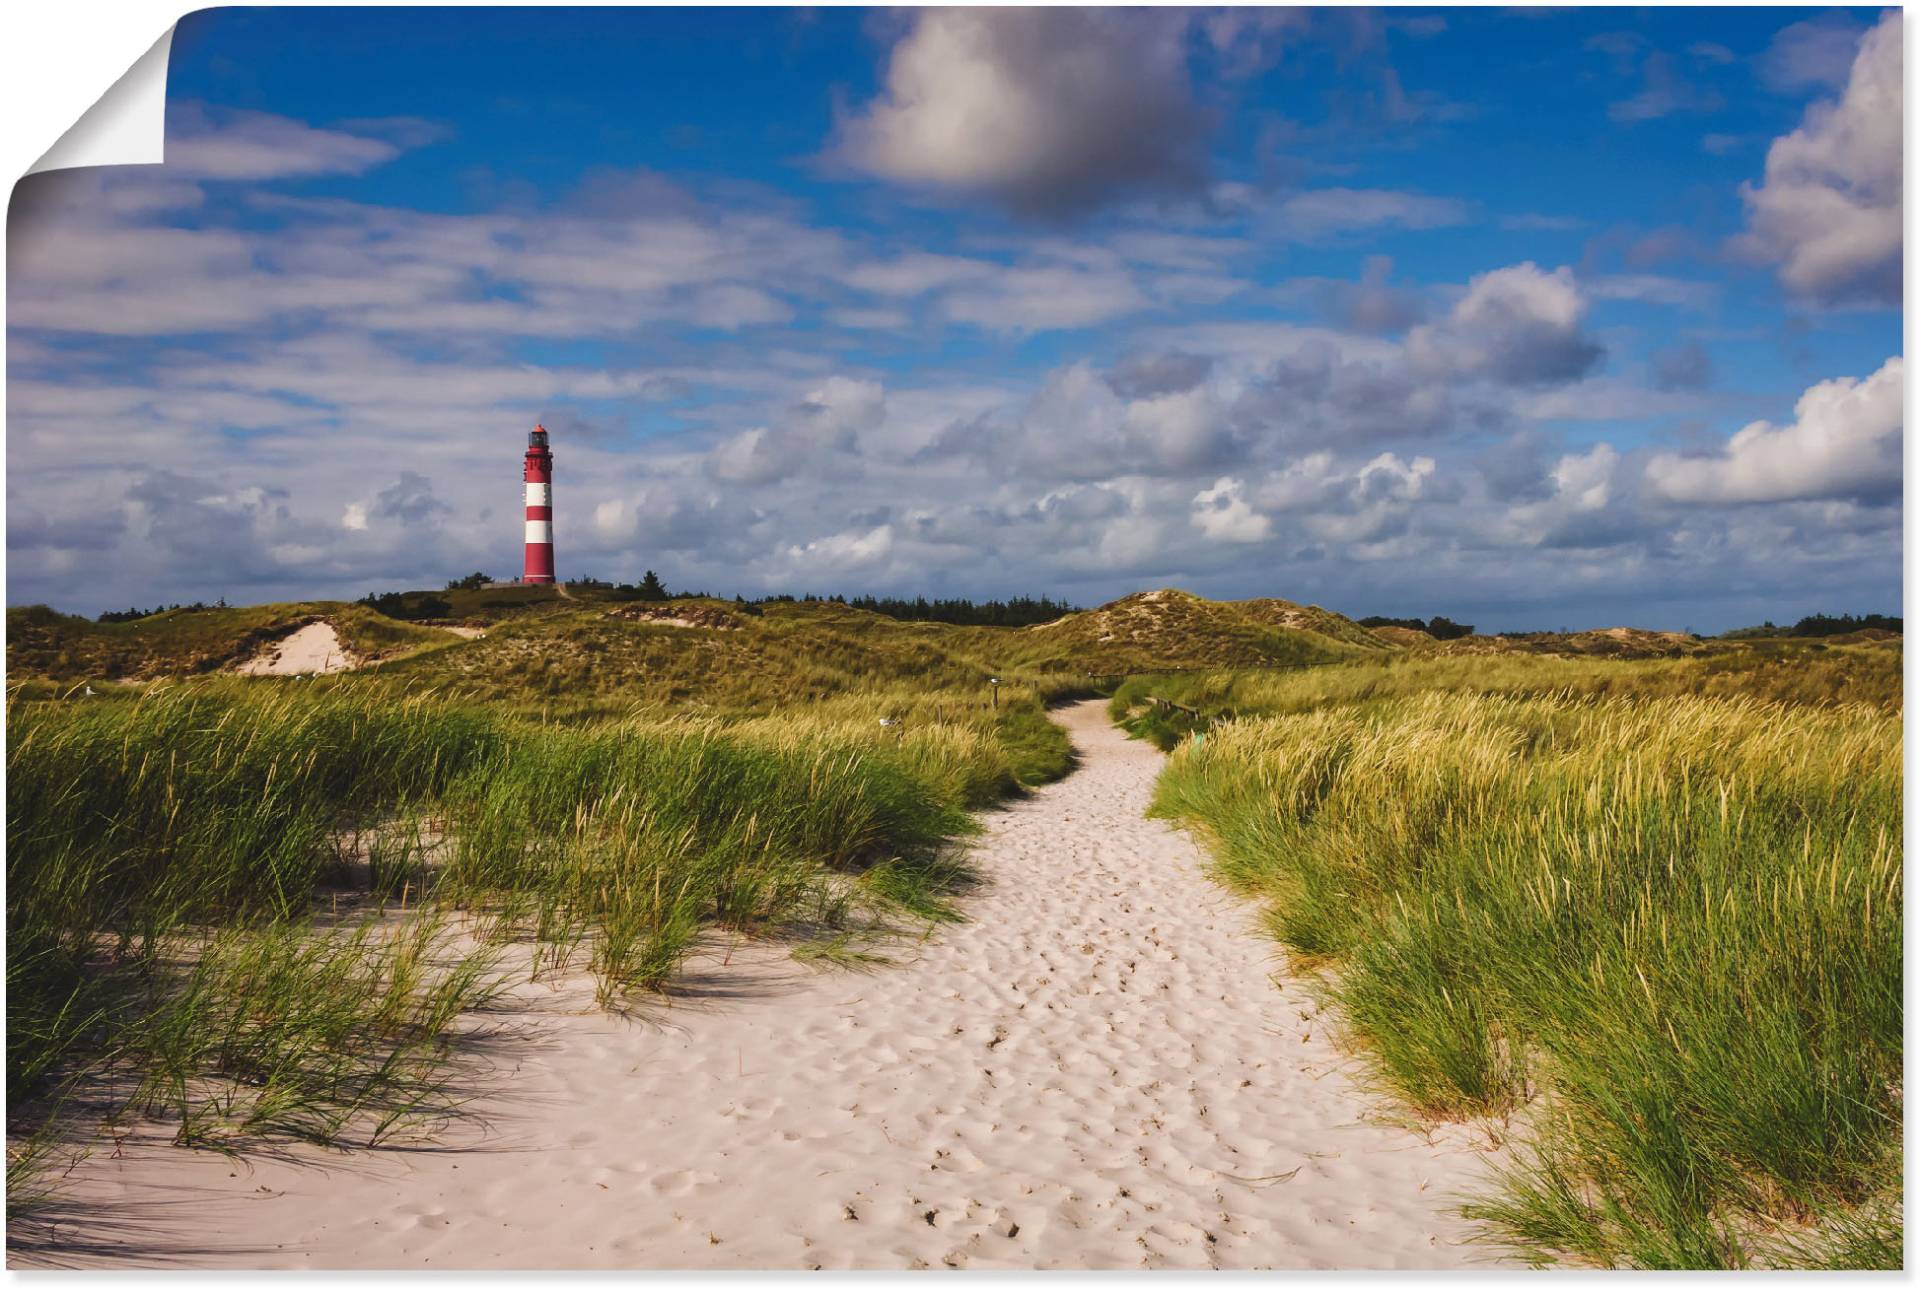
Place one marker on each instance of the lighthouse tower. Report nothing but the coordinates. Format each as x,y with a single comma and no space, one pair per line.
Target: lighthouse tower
539,508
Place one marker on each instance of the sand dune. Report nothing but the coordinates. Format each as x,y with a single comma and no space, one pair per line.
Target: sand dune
1096,1072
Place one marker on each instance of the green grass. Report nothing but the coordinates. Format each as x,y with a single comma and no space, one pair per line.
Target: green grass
1658,926
333,1037
175,858
1797,672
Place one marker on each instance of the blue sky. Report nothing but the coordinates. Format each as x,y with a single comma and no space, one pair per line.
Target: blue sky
1531,319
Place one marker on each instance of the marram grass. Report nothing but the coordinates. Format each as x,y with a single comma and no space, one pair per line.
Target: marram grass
175,861
1663,934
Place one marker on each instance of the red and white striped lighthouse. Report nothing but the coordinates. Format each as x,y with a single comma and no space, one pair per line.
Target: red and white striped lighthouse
539,508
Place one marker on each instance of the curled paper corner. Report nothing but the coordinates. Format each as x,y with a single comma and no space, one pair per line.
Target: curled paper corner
126,126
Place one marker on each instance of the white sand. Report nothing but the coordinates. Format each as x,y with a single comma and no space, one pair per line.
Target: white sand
1096,1072
314,648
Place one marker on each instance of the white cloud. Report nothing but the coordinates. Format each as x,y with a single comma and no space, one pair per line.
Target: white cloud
615,520
1320,213
1816,53
1051,111
1585,480
842,407
1518,325
1829,210
1845,442
257,145
837,553
1042,298
824,424
1654,289
729,306
1307,483
757,456
1663,92
1223,514
916,273
1178,432
1375,503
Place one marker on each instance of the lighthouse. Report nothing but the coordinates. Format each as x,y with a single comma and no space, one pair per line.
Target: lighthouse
539,475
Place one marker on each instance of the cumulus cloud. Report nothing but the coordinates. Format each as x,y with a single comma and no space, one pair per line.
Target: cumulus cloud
1519,326
841,408
840,553
1319,396
1139,376
826,422
1585,480
1581,505
409,501
1515,470
1049,111
1376,502
754,457
1373,304
659,516
1845,443
1829,211
1223,514
1179,432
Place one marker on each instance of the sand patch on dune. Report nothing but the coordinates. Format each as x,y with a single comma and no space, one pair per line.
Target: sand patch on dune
315,648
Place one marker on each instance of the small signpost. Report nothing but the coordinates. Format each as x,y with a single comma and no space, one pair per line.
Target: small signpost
994,682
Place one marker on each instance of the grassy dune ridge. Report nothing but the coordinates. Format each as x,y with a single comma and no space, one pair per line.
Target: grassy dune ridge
1658,925
42,643
1788,671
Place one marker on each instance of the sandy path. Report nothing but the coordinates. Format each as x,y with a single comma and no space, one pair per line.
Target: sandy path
1096,1072
314,648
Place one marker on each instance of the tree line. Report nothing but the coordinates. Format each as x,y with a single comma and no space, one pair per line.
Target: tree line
132,613
1440,628
1822,626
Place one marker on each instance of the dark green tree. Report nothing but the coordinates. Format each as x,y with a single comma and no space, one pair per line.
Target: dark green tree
651,589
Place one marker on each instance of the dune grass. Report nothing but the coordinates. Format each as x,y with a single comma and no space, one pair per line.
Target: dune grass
176,860
1659,930
1792,672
